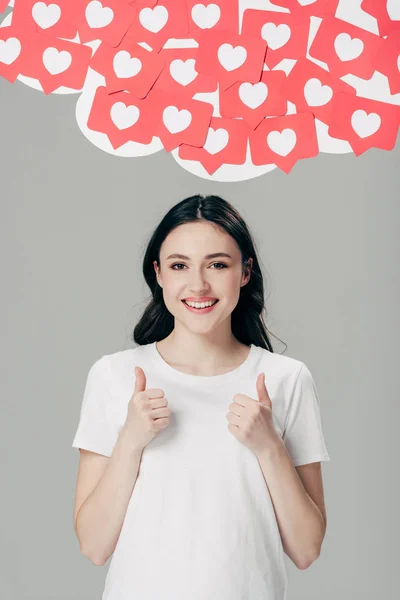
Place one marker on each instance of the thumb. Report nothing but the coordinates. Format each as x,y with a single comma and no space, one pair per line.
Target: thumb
140,381
262,391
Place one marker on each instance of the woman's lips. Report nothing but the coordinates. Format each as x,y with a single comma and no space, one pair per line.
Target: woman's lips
200,311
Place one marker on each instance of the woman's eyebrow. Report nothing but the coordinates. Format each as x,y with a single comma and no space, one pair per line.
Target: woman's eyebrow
207,256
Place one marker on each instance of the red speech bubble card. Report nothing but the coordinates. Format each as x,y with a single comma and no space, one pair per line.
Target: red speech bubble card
254,101
178,119
15,48
386,12
121,116
180,75
312,88
285,34
388,60
107,20
128,67
316,8
3,5
282,141
346,48
155,25
230,57
212,14
364,123
226,143
56,17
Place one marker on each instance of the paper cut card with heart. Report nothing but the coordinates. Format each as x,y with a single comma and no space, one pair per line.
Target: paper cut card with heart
15,48
214,14
128,67
309,8
107,20
347,49
285,34
226,143
388,60
121,116
386,12
178,119
282,141
55,17
180,76
230,57
254,101
364,123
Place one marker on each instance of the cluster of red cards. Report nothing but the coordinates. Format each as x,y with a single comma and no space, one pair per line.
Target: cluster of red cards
149,90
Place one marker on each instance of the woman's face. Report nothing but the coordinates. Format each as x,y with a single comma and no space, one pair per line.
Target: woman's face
193,275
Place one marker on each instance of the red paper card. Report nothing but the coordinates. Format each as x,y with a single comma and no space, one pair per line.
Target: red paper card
56,17
230,57
178,119
312,88
226,143
121,116
180,75
3,5
364,123
386,12
155,25
128,67
388,60
346,48
212,14
107,20
284,140
285,34
254,101
316,8
14,48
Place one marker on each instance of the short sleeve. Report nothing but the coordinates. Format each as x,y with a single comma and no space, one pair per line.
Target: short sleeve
303,435
96,431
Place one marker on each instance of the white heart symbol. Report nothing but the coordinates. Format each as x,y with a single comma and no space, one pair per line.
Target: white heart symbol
10,49
124,116
56,61
282,142
153,19
365,124
46,15
317,94
231,58
393,9
276,36
216,140
98,15
183,71
206,17
125,65
176,120
398,62
348,48
306,2
253,94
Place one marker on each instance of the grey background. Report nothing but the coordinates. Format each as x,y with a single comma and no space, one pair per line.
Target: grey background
74,226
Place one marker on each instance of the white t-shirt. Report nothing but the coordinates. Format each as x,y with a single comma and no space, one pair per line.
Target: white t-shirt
200,523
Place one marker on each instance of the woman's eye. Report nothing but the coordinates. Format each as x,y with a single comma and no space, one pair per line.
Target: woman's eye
181,264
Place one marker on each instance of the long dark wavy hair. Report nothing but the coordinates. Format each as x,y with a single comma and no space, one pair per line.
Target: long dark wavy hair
247,321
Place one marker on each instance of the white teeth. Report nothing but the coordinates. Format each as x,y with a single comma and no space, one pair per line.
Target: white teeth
200,304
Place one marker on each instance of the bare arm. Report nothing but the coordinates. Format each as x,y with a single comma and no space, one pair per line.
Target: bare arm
99,520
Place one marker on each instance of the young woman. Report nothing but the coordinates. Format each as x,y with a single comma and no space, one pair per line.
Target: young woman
201,448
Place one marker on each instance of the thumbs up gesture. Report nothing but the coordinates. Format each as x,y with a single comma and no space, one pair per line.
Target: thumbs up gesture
251,421
148,411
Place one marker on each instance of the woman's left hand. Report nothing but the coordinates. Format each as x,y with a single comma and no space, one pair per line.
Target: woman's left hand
251,421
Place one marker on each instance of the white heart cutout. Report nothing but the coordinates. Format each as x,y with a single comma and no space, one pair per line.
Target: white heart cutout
98,15
176,120
253,94
10,49
348,48
217,140
206,17
306,2
183,71
126,65
393,9
231,57
282,142
46,15
124,116
365,124
56,61
398,62
317,94
276,36
153,19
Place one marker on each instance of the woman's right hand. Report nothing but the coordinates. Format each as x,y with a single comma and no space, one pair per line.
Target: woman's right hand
148,411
